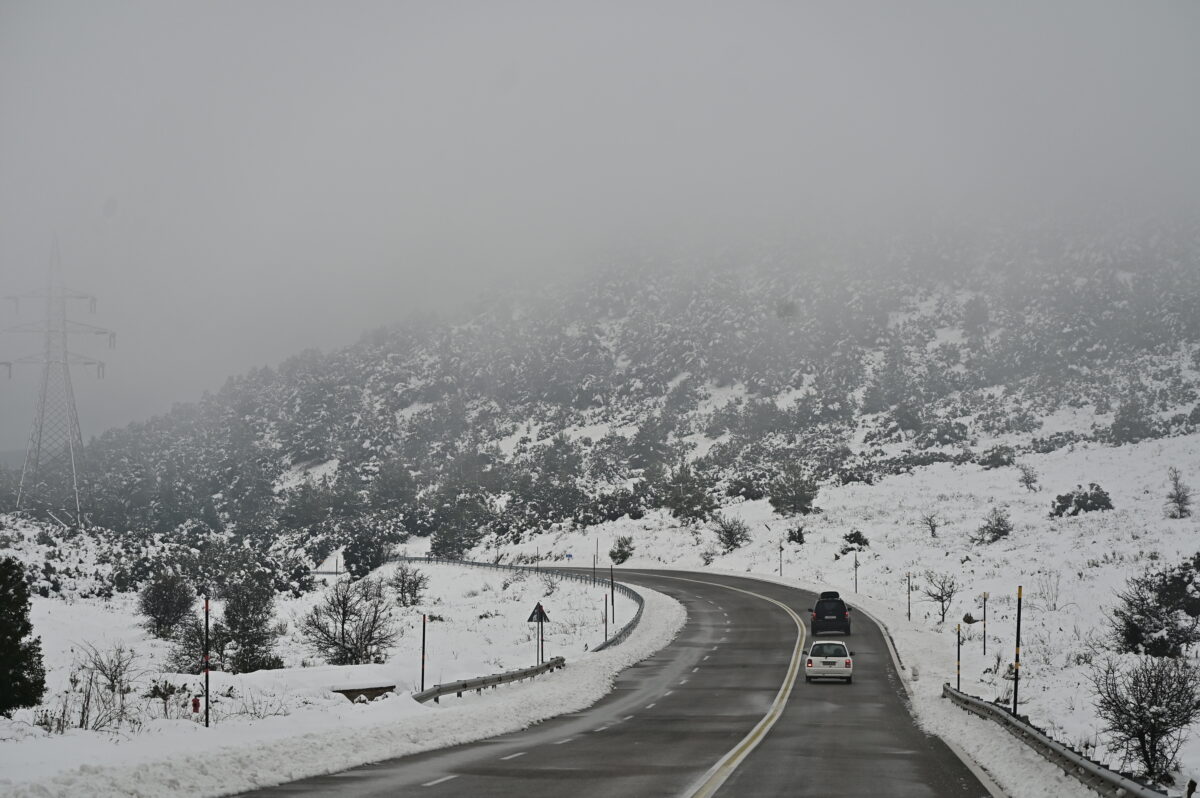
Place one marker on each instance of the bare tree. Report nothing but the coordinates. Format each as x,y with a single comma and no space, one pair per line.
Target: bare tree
940,589
1146,707
1179,497
1029,477
352,625
931,522
409,584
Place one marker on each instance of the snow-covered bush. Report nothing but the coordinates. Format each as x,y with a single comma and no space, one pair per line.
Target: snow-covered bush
1081,500
995,527
1158,612
622,550
732,532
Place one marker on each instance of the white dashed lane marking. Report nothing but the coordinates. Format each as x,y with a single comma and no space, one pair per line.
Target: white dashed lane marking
560,742
438,781
514,756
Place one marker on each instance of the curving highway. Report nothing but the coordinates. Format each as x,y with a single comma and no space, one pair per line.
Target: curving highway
723,710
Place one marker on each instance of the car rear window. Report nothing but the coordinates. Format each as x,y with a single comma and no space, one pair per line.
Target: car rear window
830,607
827,650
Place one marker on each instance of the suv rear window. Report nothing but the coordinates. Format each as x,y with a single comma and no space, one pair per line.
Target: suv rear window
827,650
830,607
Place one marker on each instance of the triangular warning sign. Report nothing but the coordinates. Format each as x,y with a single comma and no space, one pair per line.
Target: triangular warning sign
538,614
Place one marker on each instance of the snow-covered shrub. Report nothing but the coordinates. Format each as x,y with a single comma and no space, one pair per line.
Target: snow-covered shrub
995,527
1158,612
732,532
1081,500
622,550
998,457
854,540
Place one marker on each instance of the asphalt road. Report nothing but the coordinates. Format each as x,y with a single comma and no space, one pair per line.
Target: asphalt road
696,719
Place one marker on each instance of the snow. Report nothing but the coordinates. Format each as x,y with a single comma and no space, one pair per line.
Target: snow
276,726
1070,568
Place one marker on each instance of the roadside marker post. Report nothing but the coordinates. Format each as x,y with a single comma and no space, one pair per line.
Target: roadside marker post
206,663
1017,662
985,598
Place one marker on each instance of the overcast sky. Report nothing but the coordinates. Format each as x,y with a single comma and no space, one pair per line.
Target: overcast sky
238,181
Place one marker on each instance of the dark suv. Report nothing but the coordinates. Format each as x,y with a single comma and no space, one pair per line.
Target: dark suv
830,615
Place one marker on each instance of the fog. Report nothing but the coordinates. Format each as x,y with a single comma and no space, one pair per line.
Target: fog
240,181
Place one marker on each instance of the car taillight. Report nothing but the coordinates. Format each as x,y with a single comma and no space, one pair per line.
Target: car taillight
810,663
848,663
846,614
814,616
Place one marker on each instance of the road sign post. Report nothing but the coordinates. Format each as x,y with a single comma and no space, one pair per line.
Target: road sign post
540,617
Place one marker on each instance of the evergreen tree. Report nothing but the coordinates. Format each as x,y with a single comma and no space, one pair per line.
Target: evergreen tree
166,600
249,607
793,491
22,674
687,495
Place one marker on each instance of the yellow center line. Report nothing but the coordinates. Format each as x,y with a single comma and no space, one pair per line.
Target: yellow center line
712,780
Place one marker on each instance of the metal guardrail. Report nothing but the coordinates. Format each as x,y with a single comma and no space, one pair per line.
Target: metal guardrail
477,684
579,576
1090,773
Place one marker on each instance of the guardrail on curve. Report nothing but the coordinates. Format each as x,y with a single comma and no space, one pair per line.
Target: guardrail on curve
1091,774
477,684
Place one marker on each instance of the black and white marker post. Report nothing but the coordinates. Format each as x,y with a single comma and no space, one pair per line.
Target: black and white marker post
1017,663
206,660
612,587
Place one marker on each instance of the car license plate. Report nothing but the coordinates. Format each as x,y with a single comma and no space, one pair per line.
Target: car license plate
828,663
831,617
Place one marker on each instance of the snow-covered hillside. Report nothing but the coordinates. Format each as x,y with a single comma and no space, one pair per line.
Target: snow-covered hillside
1070,569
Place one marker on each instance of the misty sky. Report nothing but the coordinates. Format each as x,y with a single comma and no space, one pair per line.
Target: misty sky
238,181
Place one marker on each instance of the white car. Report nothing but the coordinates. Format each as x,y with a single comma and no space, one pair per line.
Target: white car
829,659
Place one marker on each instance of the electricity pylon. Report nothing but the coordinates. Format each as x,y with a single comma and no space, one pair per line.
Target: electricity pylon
50,477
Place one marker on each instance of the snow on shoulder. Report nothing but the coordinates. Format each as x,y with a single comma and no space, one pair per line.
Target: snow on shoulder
187,760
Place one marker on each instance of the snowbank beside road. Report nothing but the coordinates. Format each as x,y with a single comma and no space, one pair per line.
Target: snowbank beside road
328,735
